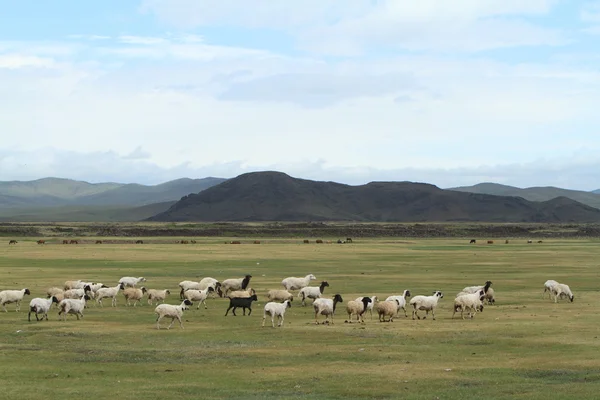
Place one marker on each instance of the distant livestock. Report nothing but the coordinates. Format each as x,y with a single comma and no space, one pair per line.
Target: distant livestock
306,241
319,241
98,241
74,242
12,242
236,242
65,241
139,242
41,242
257,242
473,241
490,242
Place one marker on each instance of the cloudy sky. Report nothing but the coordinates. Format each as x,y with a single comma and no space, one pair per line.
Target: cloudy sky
446,92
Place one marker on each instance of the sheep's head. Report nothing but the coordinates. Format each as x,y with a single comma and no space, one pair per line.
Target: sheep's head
311,277
86,297
186,304
142,279
87,288
289,304
572,298
27,291
210,289
407,293
338,298
144,290
55,300
122,286
167,291
254,297
439,294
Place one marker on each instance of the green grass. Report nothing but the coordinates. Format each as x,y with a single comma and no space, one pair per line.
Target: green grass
525,347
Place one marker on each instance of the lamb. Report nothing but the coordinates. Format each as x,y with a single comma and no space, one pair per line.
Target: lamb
374,299
312,292
39,305
401,301
198,295
54,290
326,307
472,302
241,293
72,306
387,308
426,303
109,292
13,296
158,295
235,284
244,302
134,294
276,310
358,308
131,281
561,290
293,283
548,285
279,295
171,311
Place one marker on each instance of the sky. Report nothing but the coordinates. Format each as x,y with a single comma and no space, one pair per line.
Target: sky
445,92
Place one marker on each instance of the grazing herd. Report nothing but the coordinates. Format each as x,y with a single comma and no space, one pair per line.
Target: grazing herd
72,298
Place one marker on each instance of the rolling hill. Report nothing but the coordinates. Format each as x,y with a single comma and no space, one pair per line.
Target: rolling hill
275,196
533,193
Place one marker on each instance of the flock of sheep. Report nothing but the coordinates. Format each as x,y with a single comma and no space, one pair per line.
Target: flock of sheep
72,298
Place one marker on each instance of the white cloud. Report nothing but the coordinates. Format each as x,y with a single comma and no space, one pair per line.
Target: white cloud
142,40
349,27
14,61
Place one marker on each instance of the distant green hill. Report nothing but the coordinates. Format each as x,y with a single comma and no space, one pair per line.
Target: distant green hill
55,199
533,193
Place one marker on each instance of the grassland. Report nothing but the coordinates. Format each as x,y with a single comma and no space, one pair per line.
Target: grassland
525,347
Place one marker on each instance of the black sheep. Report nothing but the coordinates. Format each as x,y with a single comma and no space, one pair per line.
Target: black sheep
244,302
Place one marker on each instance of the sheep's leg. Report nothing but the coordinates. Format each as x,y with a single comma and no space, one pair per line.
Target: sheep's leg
158,318
405,314
180,322
200,302
29,316
171,324
36,316
4,307
249,312
281,321
205,306
18,307
226,312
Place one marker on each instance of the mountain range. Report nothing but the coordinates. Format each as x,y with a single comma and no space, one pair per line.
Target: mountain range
275,196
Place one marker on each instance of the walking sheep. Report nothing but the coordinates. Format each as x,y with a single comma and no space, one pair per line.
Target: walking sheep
13,296
326,307
293,283
171,311
39,305
244,302
276,310
279,295
312,292
401,302
235,284
158,295
358,308
425,303
387,308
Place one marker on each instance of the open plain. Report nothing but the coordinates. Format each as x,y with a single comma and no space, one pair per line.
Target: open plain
524,347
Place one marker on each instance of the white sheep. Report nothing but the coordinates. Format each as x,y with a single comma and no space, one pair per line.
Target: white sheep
548,285
241,293
358,308
475,289
134,294
201,285
131,281
370,305
471,301
490,296
78,293
198,295
109,292
312,292
171,311
326,307
158,295
401,301
387,308
234,284
293,283
72,306
13,296
279,295
39,305
276,310
426,303
561,290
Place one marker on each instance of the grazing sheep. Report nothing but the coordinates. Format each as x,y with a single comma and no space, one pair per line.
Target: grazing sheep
370,306
548,285
426,303
387,308
171,311
358,308
244,302
562,290
235,284
109,292
72,306
13,296
293,283
198,295
241,293
401,301
158,295
326,307
475,289
40,306
54,290
276,310
134,294
312,292
131,281
72,284
279,295
472,302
